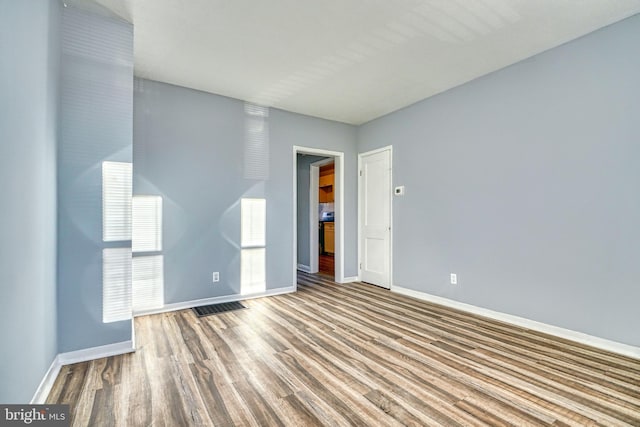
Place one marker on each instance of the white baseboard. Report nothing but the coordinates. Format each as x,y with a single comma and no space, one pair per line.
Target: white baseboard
350,279
96,352
83,355
579,337
46,384
215,300
304,268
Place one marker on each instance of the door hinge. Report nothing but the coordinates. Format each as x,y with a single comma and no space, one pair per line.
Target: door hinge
360,266
360,173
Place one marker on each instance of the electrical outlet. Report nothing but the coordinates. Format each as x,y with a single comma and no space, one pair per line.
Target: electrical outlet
216,276
454,279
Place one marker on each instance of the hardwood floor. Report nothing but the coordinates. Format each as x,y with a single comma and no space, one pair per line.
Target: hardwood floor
326,264
348,355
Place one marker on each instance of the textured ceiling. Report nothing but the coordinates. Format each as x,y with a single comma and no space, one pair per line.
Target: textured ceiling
346,60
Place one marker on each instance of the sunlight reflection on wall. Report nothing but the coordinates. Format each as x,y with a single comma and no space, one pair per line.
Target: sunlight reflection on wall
148,262
116,228
253,213
256,142
132,277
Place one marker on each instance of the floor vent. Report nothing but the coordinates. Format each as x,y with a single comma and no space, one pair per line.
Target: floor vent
208,310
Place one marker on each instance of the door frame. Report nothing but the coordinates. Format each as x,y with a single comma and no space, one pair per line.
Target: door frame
314,200
388,148
338,157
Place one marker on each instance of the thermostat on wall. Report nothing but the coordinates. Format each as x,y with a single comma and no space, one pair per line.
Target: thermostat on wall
399,191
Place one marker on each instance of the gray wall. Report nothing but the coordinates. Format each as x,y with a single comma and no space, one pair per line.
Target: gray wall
526,184
96,125
190,149
304,170
295,129
29,68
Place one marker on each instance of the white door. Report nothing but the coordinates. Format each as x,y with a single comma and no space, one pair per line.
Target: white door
375,217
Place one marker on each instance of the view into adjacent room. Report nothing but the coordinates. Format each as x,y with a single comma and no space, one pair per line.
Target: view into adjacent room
326,229
316,206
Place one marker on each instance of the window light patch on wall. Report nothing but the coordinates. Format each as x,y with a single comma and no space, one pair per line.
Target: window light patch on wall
252,271
148,282
116,201
253,236
116,284
147,224
253,222
256,142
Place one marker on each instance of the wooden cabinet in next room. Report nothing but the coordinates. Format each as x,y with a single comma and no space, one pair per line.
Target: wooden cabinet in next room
329,237
325,194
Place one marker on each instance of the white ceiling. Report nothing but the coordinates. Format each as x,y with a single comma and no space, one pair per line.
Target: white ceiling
346,60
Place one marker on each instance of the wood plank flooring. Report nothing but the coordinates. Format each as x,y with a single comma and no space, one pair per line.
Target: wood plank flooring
339,355
326,264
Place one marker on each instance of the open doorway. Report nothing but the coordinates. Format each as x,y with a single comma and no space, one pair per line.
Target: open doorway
322,182
318,201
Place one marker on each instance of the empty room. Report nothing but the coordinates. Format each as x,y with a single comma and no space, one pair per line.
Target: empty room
296,213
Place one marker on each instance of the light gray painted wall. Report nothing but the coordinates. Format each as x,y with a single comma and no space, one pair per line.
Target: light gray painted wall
526,184
296,129
304,170
96,125
29,70
189,147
